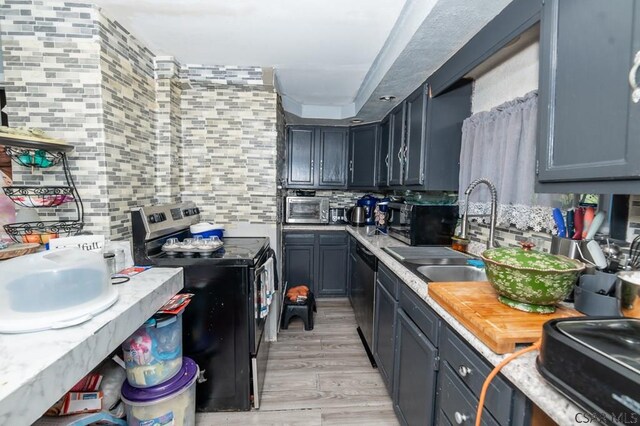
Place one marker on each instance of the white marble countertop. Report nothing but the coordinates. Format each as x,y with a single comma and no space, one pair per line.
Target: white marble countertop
38,368
521,372
313,227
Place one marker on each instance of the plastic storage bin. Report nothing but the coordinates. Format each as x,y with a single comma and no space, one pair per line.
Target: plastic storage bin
153,354
53,289
171,403
207,229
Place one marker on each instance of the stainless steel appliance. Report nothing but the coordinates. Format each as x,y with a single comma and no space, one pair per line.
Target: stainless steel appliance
307,210
421,225
357,216
337,215
595,363
361,293
222,327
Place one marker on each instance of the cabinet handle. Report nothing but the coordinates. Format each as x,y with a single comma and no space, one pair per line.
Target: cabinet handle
321,165
311,164
460,418
386,160
404,153
464,371
635,90
400,154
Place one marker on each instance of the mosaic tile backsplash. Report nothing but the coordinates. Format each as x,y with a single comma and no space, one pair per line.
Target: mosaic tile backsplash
145,129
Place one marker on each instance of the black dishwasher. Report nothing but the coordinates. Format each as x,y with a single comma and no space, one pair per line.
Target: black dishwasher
361,294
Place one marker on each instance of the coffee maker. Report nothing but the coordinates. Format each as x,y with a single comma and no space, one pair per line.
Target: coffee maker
369,203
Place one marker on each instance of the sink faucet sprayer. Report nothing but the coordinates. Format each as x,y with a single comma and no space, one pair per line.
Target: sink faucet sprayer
494,207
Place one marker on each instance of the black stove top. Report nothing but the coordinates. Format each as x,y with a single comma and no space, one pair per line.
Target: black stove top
236,251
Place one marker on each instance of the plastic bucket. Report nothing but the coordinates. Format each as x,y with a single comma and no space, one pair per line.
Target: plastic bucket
171,403
206,229
153,354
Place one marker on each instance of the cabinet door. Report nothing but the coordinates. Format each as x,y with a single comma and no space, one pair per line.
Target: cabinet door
362,156
414,384
415,142
384,329
383,153
300,157
332,270
299,266
589,126
396,146
332,170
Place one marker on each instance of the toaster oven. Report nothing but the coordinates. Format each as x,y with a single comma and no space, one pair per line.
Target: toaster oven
307,210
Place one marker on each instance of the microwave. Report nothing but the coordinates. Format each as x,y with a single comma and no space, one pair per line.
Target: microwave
420,225
307,210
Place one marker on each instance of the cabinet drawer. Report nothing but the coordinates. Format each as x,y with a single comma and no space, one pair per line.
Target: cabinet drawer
388,280
457,403
296,238
472,370
420,313
333,238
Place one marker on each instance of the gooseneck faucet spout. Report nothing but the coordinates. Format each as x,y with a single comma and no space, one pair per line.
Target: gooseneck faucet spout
494,207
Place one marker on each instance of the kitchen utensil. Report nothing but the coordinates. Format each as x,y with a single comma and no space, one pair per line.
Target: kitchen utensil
589,214
53,289
634,253
559,220
595,251
578,223
597,222
570,223
16,250
530,280
358,216
498,326
628,292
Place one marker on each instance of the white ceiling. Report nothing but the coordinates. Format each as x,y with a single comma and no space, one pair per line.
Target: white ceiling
332,59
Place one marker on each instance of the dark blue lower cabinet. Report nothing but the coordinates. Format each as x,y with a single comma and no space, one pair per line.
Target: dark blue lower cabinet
414,389
384,332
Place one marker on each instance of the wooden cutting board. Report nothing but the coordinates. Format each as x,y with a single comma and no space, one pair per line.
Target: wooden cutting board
476,306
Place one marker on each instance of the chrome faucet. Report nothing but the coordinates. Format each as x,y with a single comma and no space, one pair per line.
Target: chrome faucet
494,207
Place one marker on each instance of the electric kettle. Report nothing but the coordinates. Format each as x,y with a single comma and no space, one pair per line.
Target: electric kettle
357,216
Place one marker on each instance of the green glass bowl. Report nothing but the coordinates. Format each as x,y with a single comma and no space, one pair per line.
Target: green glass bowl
531,281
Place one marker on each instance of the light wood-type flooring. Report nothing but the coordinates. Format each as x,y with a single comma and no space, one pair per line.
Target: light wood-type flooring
318,377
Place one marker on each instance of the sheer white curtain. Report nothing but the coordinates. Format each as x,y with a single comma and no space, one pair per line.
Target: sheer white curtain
500,145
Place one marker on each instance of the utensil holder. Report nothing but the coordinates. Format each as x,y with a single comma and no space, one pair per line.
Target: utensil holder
590,302
574,249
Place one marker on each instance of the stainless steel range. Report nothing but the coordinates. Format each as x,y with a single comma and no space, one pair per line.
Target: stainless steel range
222,326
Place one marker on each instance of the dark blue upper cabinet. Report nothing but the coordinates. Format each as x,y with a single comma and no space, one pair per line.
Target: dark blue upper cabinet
301,154
384,153
415,145
317,157
396,145
589,126
362,156
332,170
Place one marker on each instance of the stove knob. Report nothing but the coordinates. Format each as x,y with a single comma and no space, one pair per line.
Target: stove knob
152,218
187,212
196,210
163,217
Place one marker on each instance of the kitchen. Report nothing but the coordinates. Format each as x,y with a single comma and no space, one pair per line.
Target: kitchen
148,127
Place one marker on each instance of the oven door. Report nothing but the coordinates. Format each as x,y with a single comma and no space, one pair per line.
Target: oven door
259,346
400,222
307,210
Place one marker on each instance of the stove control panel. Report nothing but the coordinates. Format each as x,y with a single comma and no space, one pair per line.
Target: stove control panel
167,218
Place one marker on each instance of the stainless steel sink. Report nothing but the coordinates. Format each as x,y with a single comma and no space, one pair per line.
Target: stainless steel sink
428,255
450,273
